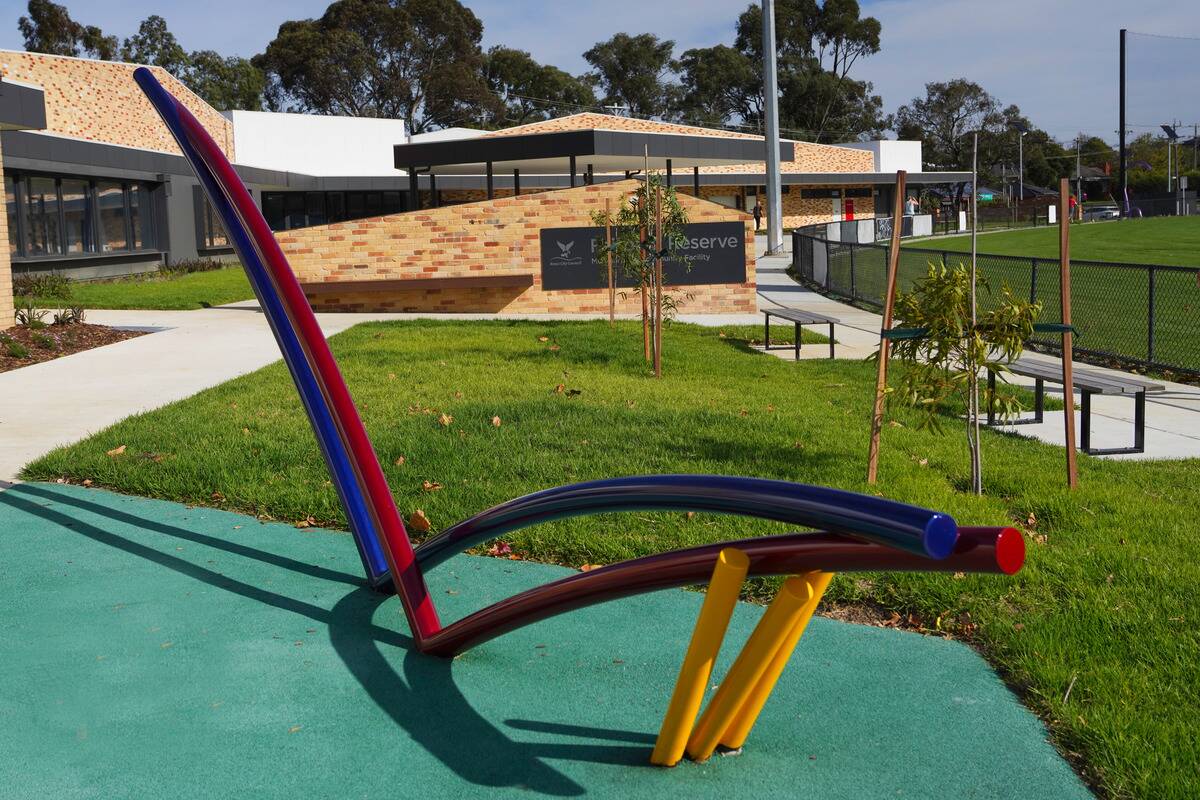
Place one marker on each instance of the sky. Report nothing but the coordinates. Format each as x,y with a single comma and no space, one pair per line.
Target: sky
1056,60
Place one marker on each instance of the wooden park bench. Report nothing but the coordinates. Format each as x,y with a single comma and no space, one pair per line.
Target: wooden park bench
800,318
1088,382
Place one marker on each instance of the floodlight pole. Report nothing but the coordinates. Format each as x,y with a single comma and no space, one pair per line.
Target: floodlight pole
1121,136
771,139
1021,159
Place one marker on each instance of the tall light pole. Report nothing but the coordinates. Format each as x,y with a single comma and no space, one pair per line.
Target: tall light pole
1022,129
1172,138
771,139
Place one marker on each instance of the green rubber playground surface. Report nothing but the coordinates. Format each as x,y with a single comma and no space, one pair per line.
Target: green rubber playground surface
155,650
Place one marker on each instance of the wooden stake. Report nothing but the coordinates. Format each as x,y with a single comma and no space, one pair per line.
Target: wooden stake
885,344
612,289
1064,272
658,280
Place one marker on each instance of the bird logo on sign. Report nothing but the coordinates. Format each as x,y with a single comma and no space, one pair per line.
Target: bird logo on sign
565,248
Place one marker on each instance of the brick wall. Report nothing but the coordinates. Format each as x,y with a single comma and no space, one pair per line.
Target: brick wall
6,297
99,101
488,238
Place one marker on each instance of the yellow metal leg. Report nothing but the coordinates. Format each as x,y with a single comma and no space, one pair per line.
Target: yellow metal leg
735,735
727,578
778,621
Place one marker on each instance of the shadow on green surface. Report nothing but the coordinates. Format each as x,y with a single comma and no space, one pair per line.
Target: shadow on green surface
425,701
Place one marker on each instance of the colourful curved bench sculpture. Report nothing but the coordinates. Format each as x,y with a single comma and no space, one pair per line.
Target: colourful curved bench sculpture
858,532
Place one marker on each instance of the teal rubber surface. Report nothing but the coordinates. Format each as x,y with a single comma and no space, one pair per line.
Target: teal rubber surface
159,651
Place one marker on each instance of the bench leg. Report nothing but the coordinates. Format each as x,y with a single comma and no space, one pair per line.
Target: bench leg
767,331
1139,422
1039,400
1085,418
831,340
798,332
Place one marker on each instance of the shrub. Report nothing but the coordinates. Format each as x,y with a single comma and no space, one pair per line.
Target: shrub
52,286
69,316
188,266
29,314
45,342
13,348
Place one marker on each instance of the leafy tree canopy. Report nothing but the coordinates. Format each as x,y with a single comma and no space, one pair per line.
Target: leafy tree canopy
634,71
416,60
529,91
50,29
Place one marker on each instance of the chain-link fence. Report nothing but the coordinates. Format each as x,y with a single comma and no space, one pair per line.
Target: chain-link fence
1140,315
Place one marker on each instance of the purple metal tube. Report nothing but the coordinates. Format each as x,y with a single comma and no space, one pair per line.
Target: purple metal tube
995,550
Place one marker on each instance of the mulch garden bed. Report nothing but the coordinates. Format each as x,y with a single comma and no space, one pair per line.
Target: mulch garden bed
21,346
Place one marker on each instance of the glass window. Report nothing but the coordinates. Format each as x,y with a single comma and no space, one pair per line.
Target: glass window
374,204
141,216
355,208
110,198
10,209
43,234
78,224
272,204
293,207
391,203
315,208
335,205
214,232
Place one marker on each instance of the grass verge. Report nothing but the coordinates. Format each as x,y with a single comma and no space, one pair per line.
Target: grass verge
1106,606
161,291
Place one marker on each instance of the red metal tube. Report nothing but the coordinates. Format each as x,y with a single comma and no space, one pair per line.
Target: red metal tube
994,550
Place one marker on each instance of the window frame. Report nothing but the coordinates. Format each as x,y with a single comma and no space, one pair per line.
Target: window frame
93,235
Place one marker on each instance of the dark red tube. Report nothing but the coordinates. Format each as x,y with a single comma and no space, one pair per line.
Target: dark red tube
995,550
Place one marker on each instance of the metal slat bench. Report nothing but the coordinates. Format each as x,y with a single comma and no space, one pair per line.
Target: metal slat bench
800,318
1088,382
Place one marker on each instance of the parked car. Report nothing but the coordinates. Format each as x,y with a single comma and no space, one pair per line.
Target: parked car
1094,213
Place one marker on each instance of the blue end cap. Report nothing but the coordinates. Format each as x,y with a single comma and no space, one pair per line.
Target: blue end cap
941,534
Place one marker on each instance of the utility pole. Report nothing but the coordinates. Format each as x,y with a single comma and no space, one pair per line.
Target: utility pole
1122,176
771,140
1078,176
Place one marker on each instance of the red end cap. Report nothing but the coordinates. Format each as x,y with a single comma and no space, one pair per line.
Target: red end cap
1010,551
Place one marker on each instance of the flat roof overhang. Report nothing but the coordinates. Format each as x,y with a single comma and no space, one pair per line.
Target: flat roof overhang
833,179
605,151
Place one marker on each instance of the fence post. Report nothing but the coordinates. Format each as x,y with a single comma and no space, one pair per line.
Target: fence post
945,260
1033,280
853,283
828,261
1150,316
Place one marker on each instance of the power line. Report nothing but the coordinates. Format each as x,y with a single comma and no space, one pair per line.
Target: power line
1165,36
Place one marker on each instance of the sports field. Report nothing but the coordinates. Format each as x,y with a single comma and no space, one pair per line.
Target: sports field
1160,240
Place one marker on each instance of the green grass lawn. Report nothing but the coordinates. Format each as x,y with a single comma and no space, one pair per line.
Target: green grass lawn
1157,240
1108,603
193,290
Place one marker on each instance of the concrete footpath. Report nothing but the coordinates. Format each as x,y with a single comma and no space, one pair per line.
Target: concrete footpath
1172,417
154,650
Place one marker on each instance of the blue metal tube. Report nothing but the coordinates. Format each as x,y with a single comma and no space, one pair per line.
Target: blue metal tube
315,405
909,528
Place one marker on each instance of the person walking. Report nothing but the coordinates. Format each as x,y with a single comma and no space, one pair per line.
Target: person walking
758,213
1072,203
911,207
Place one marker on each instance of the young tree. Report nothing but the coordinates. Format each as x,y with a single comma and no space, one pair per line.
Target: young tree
520,83
416,60
50,29
648,229
942,118
634,71
944,362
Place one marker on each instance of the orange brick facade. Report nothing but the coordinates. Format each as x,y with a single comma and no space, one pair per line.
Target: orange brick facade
99,101
489,238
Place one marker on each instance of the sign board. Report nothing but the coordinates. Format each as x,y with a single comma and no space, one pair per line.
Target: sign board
986,197
716,252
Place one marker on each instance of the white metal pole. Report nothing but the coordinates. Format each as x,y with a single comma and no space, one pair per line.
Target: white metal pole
973,411
771,108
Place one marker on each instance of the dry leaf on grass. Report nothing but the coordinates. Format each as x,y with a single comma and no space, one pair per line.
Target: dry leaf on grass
543,338
500,548
418,522
430,486
559,389
590,567
495,422
445,420
399,462
554,348
116,451
307,522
